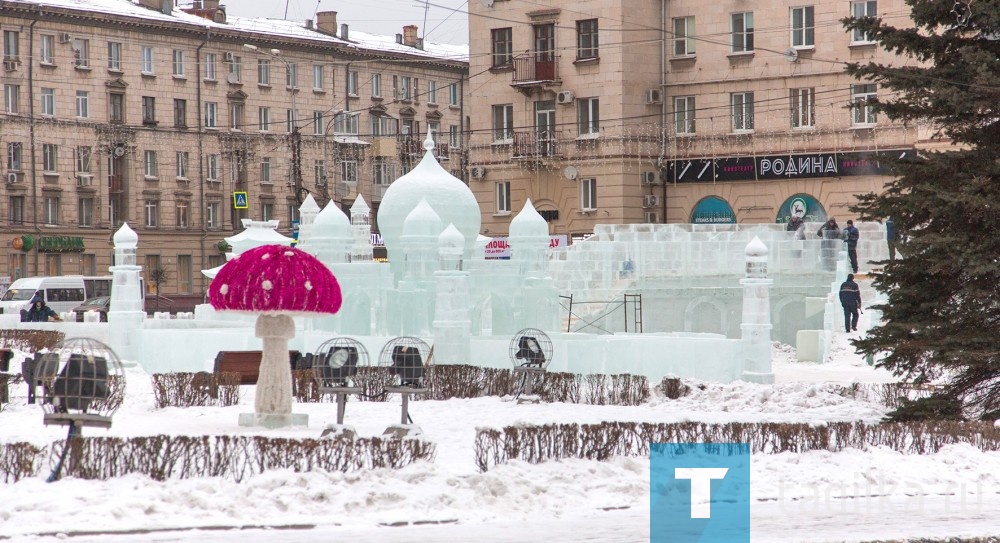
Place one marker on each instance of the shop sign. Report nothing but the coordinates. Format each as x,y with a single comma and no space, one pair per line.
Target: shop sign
773,167
60,244
803,206
713,210
499,248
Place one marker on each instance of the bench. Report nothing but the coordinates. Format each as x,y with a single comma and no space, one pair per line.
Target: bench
246,363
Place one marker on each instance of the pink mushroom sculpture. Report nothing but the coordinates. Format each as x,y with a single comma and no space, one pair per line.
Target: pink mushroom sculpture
277,282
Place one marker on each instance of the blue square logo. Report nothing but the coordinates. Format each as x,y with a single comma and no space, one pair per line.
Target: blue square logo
699,493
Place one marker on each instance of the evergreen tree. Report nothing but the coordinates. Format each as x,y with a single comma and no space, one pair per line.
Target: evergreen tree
942,318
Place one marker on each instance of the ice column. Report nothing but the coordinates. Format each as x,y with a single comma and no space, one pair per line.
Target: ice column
537,301
330,236
411,310
452,322
361,230
307,214
126,314
756,325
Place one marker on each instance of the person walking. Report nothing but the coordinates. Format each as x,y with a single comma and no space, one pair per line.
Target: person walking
40,312
795,224
891,237
851,236
850,299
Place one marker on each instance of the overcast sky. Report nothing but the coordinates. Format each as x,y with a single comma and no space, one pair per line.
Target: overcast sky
386,17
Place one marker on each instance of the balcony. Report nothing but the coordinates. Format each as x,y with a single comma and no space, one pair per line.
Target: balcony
535,70
409,145
442,151
529,145
116,184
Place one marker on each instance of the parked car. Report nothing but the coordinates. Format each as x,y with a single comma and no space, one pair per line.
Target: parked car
101,304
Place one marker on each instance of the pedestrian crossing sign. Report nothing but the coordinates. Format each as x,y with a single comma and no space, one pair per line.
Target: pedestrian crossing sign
240,200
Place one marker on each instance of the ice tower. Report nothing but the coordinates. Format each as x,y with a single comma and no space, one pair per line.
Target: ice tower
452,322
756,325
330,236
307,214
126,313
537,299
411,305
361,230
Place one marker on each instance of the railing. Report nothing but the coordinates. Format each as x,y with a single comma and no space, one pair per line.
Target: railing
409,145
115,183
441,151
536,68
534,144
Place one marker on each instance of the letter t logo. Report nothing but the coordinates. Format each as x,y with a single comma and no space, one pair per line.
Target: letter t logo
701,488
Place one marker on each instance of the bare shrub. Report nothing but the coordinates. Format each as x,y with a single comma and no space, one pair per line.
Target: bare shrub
196,389
30,341
373,380
19,460
673,388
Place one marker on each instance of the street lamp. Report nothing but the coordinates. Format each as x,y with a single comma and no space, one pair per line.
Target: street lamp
296,144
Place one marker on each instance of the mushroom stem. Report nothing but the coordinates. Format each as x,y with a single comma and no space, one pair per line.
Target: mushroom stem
274,384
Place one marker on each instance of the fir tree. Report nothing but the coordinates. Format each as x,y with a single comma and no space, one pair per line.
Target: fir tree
942,318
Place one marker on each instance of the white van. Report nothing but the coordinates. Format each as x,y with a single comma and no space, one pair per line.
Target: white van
61,293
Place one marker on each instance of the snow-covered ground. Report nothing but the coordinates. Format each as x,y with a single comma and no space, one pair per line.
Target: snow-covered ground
817,497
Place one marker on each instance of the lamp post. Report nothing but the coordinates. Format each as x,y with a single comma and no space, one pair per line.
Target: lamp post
296,136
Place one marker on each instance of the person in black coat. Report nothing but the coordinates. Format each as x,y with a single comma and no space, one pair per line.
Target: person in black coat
850,299
851,236
40,312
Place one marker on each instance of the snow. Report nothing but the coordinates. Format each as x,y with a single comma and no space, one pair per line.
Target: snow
852,495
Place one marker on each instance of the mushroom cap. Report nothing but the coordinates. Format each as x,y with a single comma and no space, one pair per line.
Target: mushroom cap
275,279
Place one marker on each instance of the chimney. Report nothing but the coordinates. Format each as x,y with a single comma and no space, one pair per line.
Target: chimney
410,35
210,4
399,38
326,22
151,4
309,24
167,6
343,32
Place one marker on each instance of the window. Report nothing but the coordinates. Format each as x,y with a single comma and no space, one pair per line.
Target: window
290,114
432,92
16,210
116,107
235,69
152,213
742,31
51,210
84,154
503,122
263,72
586,39
50,158
383,171
114,211
346,123
114,56
82,104
178,63
211,115
81,53
12,98
292,76
588,194
865,8
453,136
264,119
212,168
152,263
210,66
236,115
11,45
742,110
684,115
803,104
683,36
86,212
266,210
864,112
48,102
146,66
182,164
503,197
352,83
183,218
502,46
405,88
212,215
18,265
317,76
184,268
88,264
588,116
265,170
53,266
14,153
180,113
376,85
453,94
150,163
319,172
318,127
349,171
48,47
148,110
383,126
803,27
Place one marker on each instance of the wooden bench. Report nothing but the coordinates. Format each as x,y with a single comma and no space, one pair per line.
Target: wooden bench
246,363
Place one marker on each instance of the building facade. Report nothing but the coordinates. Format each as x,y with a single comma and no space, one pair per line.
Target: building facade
182,122
666,112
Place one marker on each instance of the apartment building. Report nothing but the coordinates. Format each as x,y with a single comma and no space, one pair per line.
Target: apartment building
606,111
182,122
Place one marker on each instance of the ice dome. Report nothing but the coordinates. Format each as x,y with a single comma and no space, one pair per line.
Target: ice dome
422,221
451,238
449,197
756,247
332,221
126,238
529,224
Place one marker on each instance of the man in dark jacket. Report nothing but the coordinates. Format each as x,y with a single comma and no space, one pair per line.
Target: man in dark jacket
891,237
830,246
40,312
850,299
851,236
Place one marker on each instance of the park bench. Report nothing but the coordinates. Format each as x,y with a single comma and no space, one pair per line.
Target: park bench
246,363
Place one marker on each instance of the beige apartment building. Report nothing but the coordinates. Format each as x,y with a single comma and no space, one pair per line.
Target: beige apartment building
607,111
182,122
